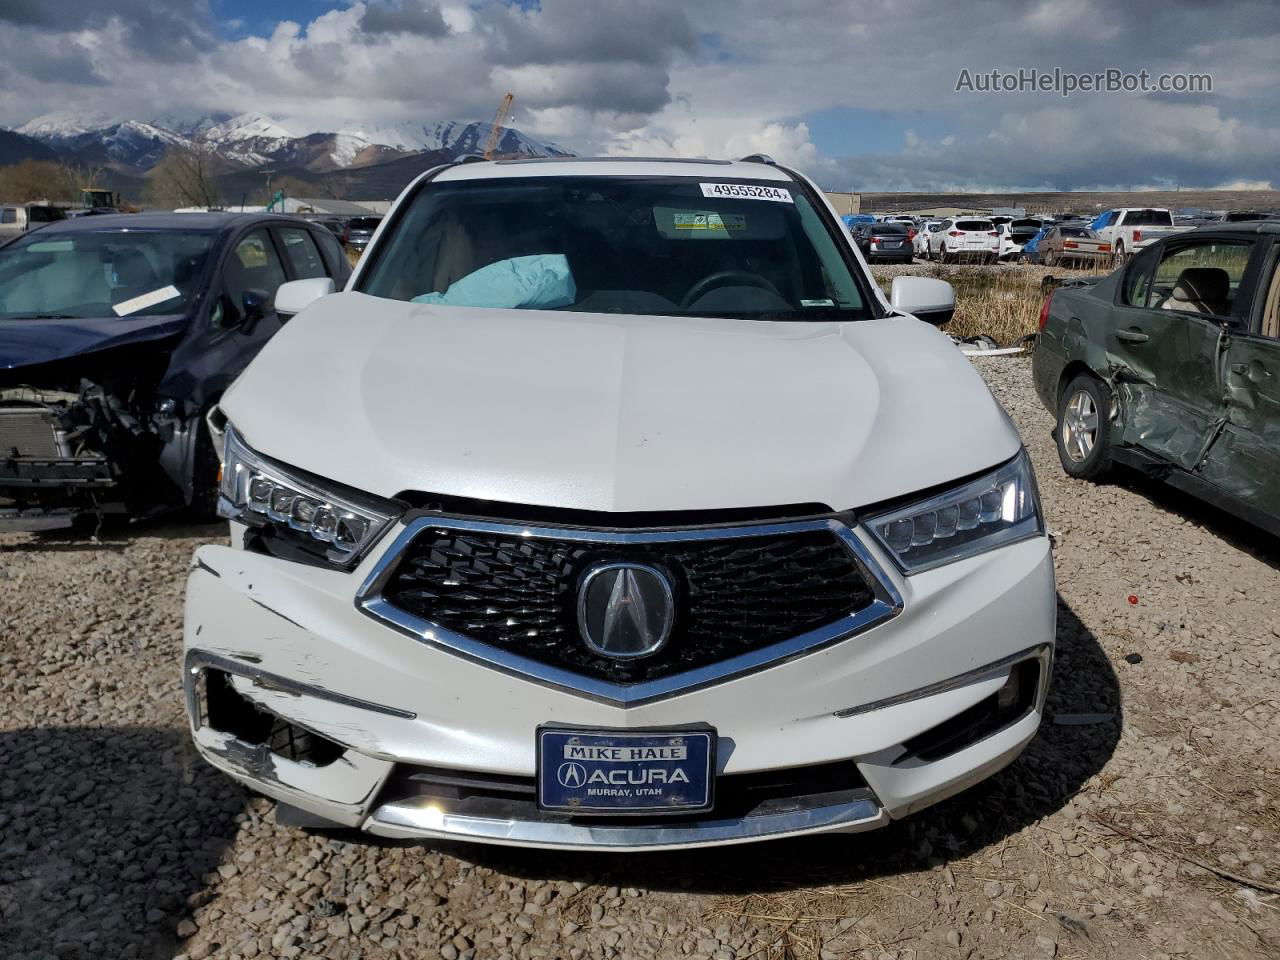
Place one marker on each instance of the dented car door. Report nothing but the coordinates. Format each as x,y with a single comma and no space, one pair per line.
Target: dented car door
1246,460
1166,347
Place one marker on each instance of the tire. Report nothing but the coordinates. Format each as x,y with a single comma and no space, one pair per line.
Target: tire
1083,431
206,464
1120,257
1051,260
942,254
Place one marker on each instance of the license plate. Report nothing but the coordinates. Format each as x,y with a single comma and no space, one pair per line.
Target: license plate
613,772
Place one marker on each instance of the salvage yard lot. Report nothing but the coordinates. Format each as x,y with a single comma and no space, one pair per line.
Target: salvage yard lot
1159,753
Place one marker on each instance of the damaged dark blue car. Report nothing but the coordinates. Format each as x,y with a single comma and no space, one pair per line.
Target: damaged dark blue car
117,335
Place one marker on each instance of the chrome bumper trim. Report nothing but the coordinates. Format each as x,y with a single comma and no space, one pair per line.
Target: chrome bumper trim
1043,651
198,661
429,820
886,605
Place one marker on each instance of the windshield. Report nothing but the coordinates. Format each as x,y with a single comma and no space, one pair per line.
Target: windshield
118,273
658,246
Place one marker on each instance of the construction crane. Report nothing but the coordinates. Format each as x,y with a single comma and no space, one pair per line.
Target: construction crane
499,119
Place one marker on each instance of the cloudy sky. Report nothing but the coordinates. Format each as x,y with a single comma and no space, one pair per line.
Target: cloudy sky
861,95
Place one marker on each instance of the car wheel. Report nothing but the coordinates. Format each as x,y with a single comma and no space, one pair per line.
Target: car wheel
1084,428
1120,255
942,254
1051,260
205,467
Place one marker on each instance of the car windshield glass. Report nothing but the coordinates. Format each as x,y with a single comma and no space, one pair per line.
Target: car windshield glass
101,274
659,246
886,228
974,225
364,223
1077,232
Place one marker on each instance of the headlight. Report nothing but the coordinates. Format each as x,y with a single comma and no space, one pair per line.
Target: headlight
997,509
336,525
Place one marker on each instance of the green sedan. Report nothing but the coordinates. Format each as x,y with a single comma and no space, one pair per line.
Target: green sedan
1171,365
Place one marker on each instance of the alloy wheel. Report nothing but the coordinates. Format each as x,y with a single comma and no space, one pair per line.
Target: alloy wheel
1079,426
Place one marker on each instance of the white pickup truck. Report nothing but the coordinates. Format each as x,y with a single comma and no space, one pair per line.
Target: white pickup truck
1130,229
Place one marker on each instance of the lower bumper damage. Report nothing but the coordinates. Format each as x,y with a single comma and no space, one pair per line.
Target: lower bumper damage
353,724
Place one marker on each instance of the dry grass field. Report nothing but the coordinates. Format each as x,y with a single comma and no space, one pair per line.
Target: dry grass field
1002,302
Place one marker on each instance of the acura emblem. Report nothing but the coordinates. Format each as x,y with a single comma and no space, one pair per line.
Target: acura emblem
571,775
625,609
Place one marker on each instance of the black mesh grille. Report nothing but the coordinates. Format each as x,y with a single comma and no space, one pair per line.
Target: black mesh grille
732,595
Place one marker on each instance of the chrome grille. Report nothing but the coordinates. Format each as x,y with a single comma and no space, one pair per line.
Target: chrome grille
747,596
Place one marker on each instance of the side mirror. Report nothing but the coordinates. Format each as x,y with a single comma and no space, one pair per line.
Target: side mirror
295,295
254,305
933,301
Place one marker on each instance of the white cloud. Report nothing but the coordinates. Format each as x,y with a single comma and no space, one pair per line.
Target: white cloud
715,78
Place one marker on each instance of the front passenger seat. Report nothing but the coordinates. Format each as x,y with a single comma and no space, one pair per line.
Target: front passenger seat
1201,290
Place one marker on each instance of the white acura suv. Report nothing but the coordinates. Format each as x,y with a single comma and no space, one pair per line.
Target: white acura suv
612,506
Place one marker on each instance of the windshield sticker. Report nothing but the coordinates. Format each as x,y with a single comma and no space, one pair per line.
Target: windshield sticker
817,303
706,220
746,191
133,305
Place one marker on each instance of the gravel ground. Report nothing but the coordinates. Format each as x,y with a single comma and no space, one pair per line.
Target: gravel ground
1117,834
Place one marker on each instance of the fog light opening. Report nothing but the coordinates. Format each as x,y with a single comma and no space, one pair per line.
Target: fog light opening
1010,703
223,709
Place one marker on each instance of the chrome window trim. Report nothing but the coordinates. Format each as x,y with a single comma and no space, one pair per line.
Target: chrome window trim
887,603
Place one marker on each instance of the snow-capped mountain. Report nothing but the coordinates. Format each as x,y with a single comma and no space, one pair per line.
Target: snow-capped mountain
103,140
247,126
251,140
65,125
457,137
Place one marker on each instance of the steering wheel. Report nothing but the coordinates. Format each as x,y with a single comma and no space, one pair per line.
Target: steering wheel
723,278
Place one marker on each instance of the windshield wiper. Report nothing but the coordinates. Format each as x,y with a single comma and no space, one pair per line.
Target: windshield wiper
42,316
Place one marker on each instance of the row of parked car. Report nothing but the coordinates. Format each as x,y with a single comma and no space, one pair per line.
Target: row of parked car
1067,239
978,238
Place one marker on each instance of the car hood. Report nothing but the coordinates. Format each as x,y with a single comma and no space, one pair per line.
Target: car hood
26,343
617,413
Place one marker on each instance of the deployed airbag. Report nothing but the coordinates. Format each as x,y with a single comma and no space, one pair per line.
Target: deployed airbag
542,281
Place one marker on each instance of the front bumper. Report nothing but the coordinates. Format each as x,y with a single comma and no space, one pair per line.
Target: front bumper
48,491
290,639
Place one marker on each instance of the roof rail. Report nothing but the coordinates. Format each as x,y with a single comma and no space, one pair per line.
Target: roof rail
758,158
472,158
